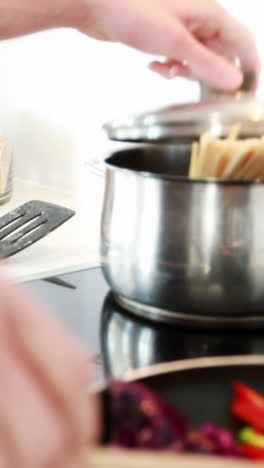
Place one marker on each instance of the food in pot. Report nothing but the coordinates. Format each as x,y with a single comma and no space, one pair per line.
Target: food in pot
144,420
230,158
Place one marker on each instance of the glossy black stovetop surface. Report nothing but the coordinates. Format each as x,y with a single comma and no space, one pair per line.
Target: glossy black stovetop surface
121,342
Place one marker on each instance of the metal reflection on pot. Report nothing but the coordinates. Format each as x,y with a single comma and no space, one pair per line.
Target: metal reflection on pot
173,248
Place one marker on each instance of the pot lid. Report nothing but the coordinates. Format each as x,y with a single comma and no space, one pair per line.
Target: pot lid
215,112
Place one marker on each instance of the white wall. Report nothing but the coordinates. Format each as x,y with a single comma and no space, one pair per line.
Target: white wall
58,87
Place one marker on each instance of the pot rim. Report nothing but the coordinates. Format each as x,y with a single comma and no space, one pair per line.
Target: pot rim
193,363
181,179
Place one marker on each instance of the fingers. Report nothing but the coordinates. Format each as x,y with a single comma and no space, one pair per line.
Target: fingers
205,56
176,42
243,42
201,39
45,373
171,69
4,460
63,367
31,433
204,63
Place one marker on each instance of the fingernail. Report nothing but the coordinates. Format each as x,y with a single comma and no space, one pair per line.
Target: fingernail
173,71
151,66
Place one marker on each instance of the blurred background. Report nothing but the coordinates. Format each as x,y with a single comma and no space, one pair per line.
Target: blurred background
57,88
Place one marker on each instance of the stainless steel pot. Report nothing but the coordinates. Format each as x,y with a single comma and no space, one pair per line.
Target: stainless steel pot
178,249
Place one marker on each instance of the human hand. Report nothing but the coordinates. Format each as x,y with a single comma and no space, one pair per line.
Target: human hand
46,416
198,38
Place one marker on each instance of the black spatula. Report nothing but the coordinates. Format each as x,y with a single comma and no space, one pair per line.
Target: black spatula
29,223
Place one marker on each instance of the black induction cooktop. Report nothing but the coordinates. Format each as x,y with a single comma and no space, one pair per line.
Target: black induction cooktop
120,341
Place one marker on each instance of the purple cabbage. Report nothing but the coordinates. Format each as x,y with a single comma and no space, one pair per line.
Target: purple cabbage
213,440
144,420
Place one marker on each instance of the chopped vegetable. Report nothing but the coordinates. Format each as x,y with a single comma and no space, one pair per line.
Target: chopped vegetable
246,393
144,420
249,436
225,442
214,440
251,451
248,406
252,443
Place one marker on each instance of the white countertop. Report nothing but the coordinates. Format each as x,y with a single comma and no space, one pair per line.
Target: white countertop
74,245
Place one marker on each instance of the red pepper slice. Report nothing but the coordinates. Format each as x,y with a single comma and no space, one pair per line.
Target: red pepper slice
251,451
249,414
245,392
